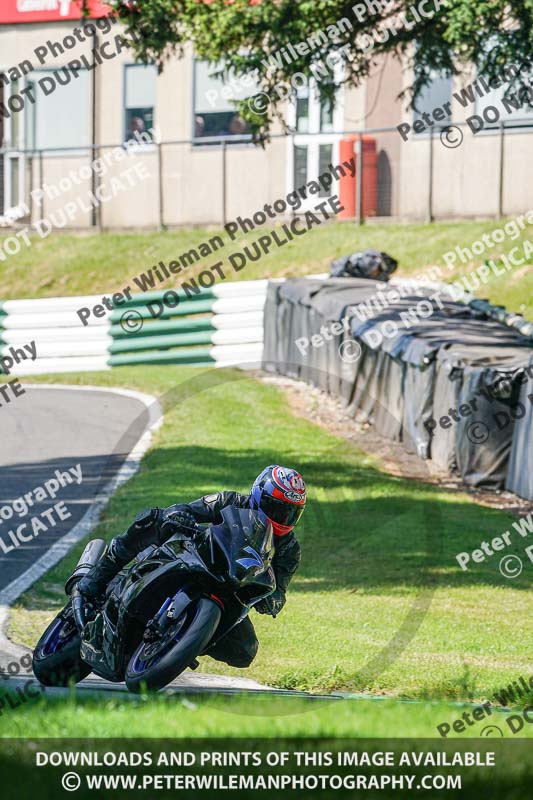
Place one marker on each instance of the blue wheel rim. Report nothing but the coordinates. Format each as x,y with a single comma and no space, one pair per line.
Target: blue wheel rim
53,641
139,665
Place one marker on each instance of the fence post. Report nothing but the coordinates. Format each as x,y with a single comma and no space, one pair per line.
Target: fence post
41,181
293,176
429,216
96,219
160,185
30,159
501,166
359,180
224,170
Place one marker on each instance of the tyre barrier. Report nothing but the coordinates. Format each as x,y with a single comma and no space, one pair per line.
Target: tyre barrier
454,385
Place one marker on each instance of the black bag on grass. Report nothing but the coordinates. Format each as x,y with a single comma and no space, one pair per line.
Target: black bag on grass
373,264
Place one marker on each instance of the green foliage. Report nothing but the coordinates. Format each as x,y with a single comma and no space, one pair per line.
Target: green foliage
243,34
215,715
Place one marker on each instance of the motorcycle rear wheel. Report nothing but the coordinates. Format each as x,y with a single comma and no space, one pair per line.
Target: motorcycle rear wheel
56,658
153,665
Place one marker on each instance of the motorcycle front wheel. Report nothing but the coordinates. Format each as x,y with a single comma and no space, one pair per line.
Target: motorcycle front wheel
154,664
56,658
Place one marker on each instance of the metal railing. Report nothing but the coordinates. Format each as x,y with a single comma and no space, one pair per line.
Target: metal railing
410,176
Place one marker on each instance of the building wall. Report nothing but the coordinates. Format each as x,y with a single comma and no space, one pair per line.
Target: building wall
193,192
382,89
192,186
466,178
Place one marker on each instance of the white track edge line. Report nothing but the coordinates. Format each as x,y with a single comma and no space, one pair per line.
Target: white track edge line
89,520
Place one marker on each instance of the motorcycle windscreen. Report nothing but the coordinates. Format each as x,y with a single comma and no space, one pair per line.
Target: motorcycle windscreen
249,542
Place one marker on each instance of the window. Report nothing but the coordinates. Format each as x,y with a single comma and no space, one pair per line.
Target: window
14,180
13,173
14,134
513,104
512,99
325,158
433,96
307,101
314,145
139,99
302,111
215,102
327,107
300,165
62,117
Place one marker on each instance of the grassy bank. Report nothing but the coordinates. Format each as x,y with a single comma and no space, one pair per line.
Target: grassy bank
259,716
379,604
66,264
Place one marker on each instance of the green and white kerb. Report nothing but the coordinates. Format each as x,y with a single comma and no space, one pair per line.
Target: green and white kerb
221,326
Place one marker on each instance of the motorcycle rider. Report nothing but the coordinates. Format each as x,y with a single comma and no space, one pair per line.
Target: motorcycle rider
278,494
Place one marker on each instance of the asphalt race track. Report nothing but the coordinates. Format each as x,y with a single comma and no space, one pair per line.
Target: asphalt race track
51,430
48,430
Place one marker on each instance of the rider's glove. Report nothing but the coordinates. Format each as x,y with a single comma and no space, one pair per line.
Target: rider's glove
272,604
179,522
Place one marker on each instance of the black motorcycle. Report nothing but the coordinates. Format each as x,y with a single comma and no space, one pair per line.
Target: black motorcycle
158,615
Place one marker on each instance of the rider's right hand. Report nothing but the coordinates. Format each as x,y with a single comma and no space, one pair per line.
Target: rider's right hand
272,604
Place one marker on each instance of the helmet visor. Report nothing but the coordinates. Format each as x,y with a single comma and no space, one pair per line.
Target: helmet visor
281,512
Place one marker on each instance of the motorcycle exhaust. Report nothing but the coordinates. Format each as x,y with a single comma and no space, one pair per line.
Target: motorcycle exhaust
89,558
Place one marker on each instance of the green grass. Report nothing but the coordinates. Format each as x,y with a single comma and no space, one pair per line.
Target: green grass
378,581
259,716
68,264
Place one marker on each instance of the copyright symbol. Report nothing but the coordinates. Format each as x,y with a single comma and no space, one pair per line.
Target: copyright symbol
350,351
511,566
131,321
259,103
491,730
452,136
477,432
71,782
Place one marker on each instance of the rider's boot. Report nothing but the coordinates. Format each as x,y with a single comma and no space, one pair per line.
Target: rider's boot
94,584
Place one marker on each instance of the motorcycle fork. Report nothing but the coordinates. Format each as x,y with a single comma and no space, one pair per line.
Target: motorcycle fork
172,609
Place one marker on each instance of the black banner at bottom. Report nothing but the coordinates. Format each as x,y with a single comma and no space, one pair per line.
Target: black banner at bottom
243,768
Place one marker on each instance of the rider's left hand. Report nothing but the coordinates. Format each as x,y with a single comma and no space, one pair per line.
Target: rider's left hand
272,604
181,521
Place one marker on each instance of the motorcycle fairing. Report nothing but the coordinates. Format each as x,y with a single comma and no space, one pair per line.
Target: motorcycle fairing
227,560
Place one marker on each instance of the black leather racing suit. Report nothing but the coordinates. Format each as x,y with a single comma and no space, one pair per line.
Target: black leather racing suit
239,647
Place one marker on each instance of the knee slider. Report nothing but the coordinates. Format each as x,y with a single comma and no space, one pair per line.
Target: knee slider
242,660
245,655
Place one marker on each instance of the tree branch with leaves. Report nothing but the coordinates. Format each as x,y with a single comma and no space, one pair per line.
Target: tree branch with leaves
244,35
